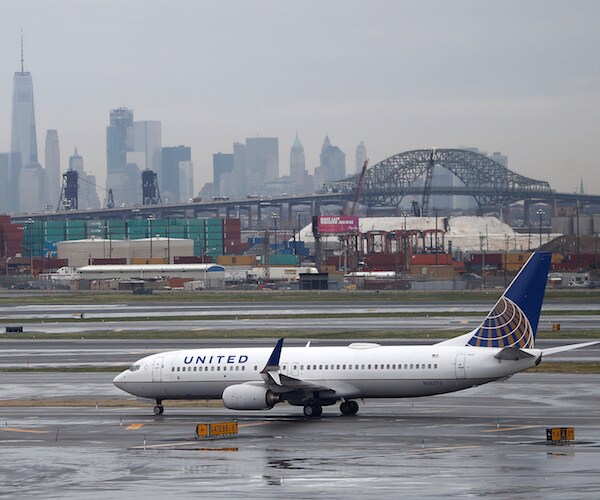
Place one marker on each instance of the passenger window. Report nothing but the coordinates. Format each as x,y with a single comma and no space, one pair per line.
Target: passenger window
314,367
327,367
369,366
429,367
417,366
320,367
356,367
178,368
387,367
243,368
405,366
362,367
393,367
301,367
343,367
172,368
337,367
411,367
435,366
206,368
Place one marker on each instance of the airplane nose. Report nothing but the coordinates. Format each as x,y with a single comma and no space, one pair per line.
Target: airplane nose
119,380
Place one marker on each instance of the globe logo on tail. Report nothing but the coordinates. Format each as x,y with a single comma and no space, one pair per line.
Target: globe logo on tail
505,326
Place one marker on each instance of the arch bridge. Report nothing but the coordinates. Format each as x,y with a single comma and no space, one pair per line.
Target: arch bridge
490,183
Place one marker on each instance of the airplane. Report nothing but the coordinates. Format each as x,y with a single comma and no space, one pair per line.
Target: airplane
248,378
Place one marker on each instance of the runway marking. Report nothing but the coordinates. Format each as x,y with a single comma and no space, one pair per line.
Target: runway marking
446,448
29,431
165,445
512,428
254,424
134,427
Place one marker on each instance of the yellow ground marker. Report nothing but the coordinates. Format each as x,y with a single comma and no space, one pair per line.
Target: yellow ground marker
28,431
511,428
134,427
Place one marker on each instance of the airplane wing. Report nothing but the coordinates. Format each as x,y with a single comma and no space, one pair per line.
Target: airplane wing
279,383
562,348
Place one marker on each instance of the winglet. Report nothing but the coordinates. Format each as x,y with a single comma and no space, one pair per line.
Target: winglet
273,363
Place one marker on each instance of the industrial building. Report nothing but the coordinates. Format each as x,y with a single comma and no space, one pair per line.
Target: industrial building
209,276
155,250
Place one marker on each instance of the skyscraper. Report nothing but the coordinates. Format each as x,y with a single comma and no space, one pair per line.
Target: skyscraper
171,159
262,162
147,148
333,162
298,171
52,164
361,157
119,140
23,134
186,180
87,194
222,164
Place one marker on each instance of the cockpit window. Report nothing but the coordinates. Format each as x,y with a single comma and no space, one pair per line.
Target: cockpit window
134,368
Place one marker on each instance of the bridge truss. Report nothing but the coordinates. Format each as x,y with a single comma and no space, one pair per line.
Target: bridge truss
490,183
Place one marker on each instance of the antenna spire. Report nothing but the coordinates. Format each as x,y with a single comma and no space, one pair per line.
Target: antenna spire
22,60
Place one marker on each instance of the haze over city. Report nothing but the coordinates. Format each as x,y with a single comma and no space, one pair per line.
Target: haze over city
521,78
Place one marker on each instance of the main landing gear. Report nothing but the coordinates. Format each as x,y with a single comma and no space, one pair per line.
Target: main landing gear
159,408
349,408
313,410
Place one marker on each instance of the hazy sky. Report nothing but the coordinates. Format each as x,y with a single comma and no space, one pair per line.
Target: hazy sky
520,77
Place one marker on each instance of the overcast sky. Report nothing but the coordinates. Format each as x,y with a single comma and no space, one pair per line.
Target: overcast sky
520,77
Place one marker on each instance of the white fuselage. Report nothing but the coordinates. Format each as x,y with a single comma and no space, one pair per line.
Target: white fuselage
354,371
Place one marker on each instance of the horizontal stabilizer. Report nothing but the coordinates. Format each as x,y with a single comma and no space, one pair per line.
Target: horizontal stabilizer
562,348
513,354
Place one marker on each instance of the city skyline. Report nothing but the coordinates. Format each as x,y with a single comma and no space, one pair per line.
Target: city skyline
501,76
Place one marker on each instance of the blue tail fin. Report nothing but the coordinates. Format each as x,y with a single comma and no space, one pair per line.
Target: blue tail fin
514,319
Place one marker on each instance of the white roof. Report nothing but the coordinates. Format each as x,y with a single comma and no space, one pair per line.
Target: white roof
155,268
467,233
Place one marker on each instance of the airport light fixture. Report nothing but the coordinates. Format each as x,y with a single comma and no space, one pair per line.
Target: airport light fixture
150,219
540,212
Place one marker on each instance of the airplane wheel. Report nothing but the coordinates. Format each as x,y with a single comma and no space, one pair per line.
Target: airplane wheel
159,409
349,407
345,408
313,410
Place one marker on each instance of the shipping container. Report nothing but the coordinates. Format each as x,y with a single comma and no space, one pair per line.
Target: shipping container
148,260
283,260
236,260
431,259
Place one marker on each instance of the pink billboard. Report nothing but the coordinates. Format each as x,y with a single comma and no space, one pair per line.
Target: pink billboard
338,224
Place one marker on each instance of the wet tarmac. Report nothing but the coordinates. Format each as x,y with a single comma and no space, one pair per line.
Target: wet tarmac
483,442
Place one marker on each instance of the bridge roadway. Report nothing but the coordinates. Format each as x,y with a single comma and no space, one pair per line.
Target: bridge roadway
254,206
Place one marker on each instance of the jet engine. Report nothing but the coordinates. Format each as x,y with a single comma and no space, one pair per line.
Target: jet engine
249,397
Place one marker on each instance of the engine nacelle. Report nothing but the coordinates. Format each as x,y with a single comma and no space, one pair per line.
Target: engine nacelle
249,397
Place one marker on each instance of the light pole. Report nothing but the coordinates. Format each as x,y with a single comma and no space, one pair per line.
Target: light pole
275,217
150,219
404,245
29,226
540,212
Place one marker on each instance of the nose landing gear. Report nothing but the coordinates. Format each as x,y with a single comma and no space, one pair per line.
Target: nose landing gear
159,408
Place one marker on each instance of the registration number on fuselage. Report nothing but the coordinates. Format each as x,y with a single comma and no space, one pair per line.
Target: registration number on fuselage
431,383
